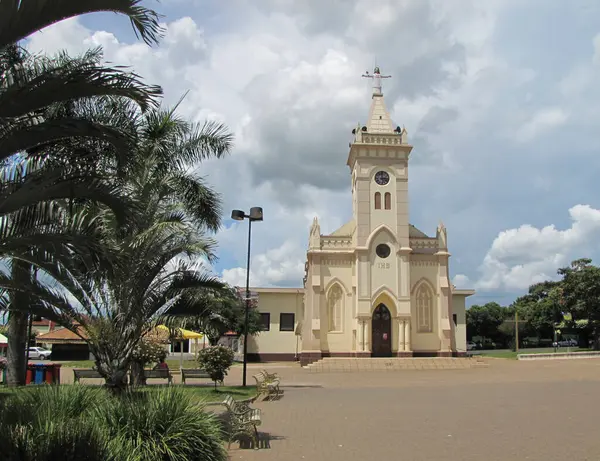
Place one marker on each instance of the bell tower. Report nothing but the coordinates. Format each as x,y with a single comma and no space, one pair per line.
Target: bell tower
378,161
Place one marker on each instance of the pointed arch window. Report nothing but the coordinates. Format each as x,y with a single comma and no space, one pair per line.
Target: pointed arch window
335,307
388,201
377,200
424,309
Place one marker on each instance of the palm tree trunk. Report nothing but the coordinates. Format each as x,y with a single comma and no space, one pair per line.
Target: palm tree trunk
17,325
137,374
17,339
112,369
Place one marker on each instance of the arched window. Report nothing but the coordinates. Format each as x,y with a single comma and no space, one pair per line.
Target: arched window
388,201
424,309
377,201
335,305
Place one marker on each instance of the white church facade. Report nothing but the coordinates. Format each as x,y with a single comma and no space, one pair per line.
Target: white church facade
377,286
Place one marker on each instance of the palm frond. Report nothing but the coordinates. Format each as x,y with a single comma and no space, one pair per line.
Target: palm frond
182,294
51,184
21,18
82,78
200,201
212,139
93,154
23,137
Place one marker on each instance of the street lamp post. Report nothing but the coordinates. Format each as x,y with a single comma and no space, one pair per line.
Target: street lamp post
256,214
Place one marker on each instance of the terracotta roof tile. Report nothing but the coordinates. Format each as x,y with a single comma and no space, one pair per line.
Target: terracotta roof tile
61,335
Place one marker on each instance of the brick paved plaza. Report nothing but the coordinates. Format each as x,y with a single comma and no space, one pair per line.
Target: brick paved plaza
543,410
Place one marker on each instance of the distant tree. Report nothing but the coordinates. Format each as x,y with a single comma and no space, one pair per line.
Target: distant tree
541,308
485,320
507,330
580,294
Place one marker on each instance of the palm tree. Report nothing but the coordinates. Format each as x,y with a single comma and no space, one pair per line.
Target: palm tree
29,85
159,254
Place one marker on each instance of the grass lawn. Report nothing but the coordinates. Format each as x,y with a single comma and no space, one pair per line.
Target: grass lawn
513,354
210,394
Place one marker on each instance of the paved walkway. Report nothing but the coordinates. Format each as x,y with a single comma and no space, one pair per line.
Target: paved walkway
511,410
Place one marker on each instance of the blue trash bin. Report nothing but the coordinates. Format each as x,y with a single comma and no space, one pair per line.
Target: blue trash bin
39,374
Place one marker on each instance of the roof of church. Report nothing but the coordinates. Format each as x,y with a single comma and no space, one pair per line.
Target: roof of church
349,228
346,229
379,118
416,233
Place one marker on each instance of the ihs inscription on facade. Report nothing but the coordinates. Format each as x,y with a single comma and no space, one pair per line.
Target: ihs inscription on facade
383,265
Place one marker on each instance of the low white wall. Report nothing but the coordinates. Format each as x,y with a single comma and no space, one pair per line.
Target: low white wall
560,355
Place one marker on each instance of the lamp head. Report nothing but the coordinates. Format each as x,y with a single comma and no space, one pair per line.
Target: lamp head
238,215
256,213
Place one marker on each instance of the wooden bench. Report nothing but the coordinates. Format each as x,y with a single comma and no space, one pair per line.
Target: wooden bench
79,373
159,374
243,420
193,373
270,387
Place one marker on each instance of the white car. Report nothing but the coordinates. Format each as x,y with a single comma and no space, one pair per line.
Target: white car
39,353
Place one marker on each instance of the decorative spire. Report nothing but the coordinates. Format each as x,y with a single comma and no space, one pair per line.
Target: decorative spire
314,239
442,236
315,229
376,76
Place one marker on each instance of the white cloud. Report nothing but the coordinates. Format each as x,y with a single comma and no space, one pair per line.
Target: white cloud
596,43
279,265
461,281
542,122
527,255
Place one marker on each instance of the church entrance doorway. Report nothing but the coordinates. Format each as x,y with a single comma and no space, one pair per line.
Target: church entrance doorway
381,333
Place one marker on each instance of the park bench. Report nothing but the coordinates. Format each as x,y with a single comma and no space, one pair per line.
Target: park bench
237,406
243,420
159,374
79,373
269,387
193,373
270,376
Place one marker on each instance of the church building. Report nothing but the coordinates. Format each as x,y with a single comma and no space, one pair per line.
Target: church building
377,286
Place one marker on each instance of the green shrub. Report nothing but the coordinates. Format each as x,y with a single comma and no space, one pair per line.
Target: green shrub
158,426
216,361
48,423
81,423
148,350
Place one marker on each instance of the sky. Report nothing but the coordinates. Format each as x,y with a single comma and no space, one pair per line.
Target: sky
500,99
